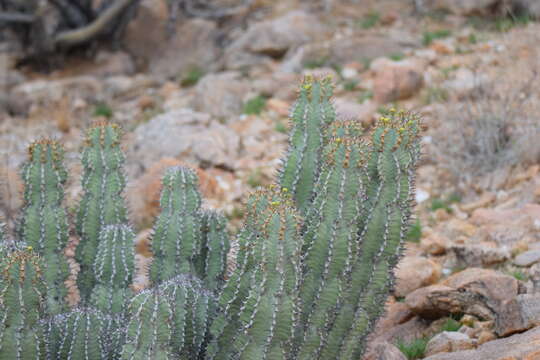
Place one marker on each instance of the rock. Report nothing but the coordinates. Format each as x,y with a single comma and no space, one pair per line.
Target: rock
170,53
449,341
282,108
384,351
524,346
185,135
144,194
461,7
344,50
111,63
272,39
352,110
365,48
527,258
396,313
276,83
434,244
414,272
410,330
193,45
479,292
518,314
478,255
396,80
42,93
221,95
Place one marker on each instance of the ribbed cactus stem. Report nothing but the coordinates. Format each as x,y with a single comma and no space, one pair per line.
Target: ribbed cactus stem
149,330
330,236
258,301
113,268
192,309
211,264
392,164
44,222
102,203
2,233
177,233
81,334
312,113
389,183
22,303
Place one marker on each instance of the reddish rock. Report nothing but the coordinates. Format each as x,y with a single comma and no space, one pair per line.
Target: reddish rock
449,341
518,314
434,244
475,291
415,272
525,346
396,80
384,351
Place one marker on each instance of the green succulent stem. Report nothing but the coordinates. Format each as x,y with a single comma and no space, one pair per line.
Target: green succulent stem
102,202
44,224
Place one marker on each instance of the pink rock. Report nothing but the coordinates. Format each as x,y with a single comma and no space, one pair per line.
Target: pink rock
396,80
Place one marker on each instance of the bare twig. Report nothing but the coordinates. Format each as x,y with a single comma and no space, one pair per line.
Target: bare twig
95,28
16,17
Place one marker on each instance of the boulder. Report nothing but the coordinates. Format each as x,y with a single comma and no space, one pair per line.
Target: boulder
525,346
414,272
221,95
186,135
518,314
475,291
384,351
449,341
170,53
269,39
396,80
528,258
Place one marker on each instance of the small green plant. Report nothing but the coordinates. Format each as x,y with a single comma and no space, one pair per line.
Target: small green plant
472,39
504,24
414,349
370,20
315,62
519,275
102,109
451,325
415,232
350,85
192,77
281,127
255,105
255,178
364,96
429,36
397,57
440,203
435,95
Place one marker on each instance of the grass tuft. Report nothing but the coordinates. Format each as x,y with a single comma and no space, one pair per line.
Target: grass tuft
413,350
255,105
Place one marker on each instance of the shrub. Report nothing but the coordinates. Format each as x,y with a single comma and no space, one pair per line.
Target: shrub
488,130
314,258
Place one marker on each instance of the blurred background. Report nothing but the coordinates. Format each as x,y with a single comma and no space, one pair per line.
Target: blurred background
209,84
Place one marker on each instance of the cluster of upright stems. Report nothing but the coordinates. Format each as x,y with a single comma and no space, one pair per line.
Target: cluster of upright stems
313,264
